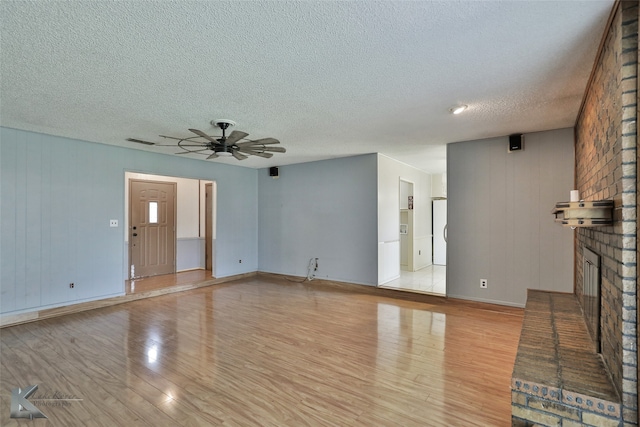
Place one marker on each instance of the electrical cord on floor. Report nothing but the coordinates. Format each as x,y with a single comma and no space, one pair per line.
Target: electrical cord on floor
311,271
295,281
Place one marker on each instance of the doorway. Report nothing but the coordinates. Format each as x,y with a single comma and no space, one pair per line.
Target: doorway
406,225
152,228
208,226
417,273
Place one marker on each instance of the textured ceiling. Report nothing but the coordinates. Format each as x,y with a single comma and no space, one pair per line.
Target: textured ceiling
328,79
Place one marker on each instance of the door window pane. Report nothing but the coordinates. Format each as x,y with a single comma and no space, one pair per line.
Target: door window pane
153,212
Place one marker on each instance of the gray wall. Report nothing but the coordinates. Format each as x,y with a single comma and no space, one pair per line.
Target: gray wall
58,196
500,222
325,209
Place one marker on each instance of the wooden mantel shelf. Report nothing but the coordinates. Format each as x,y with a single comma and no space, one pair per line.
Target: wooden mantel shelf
584,214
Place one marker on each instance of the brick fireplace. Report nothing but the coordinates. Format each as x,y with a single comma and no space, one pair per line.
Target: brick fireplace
606,169
577,361
558,377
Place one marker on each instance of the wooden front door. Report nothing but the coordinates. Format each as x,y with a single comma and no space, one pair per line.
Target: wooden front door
152,228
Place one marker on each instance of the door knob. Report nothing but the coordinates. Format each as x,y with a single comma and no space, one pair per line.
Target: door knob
135,234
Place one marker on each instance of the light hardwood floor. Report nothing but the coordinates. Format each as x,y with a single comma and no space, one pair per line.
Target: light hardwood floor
265,351
153,283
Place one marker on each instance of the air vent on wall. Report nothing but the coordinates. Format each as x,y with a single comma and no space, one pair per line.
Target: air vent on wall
139,141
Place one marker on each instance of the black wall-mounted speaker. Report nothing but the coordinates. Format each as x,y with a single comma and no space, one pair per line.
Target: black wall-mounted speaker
516,142
273,171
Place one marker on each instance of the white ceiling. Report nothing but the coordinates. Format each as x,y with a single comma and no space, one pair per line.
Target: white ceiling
328,79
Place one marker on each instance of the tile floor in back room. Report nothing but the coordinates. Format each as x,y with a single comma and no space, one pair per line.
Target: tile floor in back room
431,280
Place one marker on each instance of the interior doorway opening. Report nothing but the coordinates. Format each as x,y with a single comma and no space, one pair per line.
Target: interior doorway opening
418,272
208,225
406,226
194,226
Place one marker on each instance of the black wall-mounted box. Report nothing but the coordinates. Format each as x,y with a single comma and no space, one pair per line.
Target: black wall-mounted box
516,142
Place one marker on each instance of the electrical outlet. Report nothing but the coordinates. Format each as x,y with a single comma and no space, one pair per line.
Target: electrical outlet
483,283
72,285
113,223
239,261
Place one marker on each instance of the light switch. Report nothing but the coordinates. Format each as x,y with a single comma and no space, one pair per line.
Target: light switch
113,223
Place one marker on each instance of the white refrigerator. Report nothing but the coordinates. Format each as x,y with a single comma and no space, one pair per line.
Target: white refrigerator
440,232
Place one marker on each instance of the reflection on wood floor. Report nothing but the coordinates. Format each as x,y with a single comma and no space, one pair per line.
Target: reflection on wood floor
166,281
265,351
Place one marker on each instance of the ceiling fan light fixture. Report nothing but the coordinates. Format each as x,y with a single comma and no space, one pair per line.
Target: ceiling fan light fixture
458,109
224,154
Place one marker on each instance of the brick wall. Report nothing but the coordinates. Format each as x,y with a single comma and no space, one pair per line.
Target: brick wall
558,378
606,164
528,410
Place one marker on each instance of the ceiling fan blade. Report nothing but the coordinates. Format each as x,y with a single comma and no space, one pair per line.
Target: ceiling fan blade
203,146
204,135
172,137
256,153
263,141
274,149
266,141
238,155
213,156
265,155
235,136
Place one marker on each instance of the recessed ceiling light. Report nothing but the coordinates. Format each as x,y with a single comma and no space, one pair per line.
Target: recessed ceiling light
458,109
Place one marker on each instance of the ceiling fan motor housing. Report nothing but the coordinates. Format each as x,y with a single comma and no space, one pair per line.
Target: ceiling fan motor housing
223,123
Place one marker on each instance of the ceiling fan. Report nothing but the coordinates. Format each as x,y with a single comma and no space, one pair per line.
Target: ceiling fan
236,144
